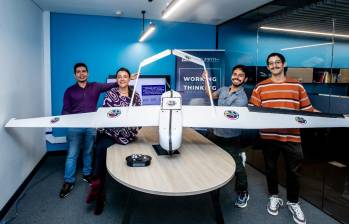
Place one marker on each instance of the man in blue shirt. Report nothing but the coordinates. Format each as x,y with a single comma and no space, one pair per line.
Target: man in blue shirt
229,139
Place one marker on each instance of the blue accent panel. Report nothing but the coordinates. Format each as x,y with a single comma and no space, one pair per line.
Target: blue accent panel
239,43
107,43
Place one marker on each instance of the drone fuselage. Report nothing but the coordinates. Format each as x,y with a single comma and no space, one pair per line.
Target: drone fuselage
170,121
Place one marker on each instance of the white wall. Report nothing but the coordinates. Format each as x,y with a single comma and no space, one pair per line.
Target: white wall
21,91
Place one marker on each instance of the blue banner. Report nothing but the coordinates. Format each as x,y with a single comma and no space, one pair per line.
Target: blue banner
189,80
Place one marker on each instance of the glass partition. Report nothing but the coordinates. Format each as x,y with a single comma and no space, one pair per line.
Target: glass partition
336,173
314,39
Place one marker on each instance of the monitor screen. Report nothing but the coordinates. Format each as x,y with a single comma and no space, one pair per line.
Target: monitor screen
150,88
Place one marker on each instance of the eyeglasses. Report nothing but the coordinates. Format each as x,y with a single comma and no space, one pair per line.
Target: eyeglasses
278,62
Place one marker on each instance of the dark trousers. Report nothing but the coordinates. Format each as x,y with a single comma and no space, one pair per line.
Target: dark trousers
293,157
103,142
232,146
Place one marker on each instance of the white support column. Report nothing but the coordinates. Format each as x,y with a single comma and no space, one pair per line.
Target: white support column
47,76
47,63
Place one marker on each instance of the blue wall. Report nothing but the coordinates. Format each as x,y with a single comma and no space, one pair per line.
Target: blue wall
107,43
239,44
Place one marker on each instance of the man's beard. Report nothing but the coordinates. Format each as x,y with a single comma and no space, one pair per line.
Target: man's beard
238,85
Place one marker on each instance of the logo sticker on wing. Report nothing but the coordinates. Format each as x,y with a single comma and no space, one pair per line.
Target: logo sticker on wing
54,120
114,113
300,120
232,115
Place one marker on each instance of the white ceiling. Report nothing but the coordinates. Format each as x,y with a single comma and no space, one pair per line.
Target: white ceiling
194,11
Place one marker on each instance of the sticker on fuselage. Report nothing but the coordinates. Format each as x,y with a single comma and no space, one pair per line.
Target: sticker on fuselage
171,103
300,120
114,113
231,115
54,120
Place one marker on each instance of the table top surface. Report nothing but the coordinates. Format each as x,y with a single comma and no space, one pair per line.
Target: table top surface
200,167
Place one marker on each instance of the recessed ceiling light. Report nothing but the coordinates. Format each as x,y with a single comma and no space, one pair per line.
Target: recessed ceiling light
118,13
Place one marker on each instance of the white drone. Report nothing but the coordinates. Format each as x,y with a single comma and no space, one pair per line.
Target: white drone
171,116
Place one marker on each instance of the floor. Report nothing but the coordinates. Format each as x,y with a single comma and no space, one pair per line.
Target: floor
41,203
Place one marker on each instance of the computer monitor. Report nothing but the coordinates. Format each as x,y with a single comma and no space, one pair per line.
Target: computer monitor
149,87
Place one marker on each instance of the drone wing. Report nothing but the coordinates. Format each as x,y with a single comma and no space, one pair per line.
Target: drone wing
104,117
257,118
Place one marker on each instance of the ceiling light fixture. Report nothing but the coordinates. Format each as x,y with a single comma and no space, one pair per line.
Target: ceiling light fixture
305,32
145,33
174,4
306,46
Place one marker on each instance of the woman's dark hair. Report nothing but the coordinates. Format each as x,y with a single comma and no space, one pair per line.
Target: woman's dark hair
122,69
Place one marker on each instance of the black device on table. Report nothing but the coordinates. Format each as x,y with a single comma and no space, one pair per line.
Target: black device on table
138,160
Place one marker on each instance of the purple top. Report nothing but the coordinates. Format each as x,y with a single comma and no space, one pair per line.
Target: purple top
82,100
113,99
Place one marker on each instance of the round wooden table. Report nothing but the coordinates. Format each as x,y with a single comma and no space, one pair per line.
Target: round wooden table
200,167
